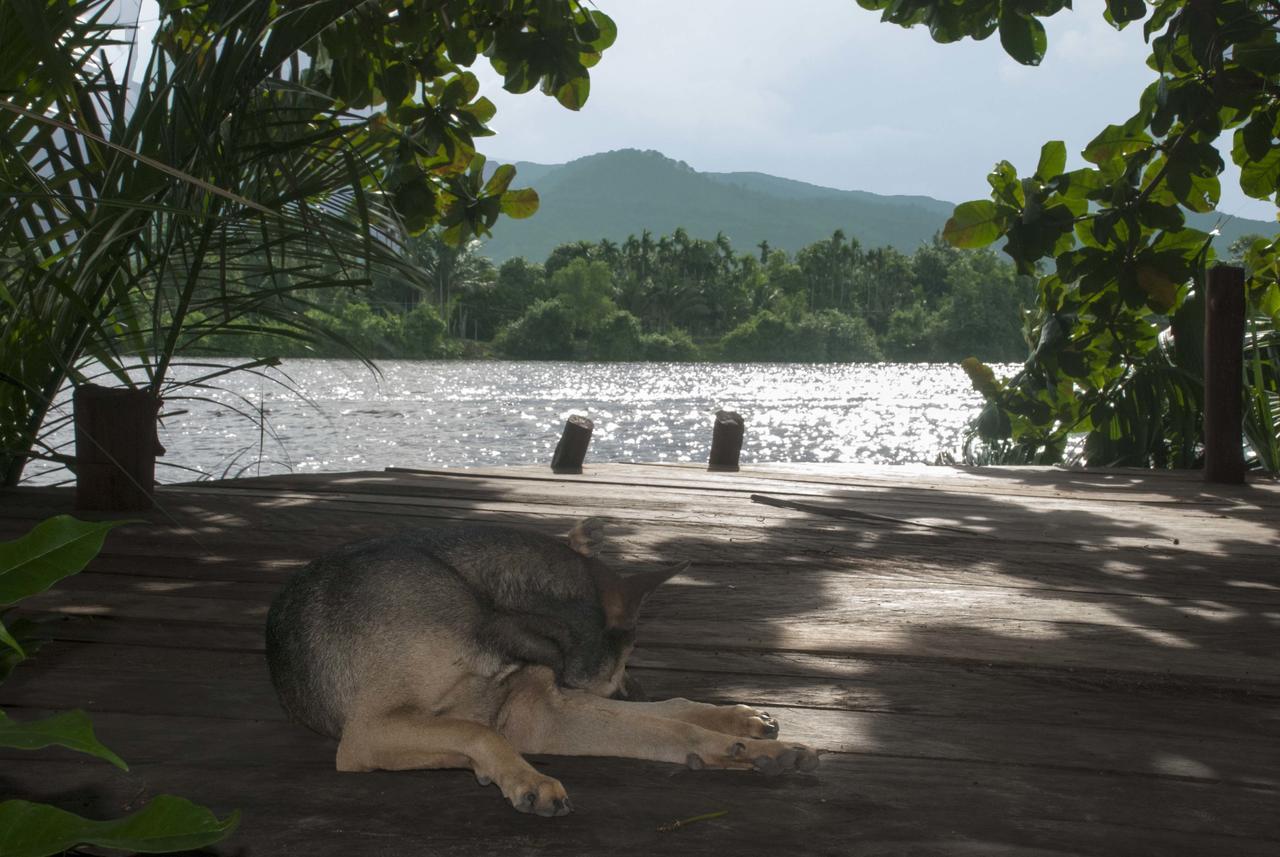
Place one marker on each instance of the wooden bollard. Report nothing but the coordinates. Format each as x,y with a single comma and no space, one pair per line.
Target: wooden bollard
116,447
726,441
572,448
1224,375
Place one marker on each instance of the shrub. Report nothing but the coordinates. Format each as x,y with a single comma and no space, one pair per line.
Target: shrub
617,338
825,336
674,346
544,332
423,332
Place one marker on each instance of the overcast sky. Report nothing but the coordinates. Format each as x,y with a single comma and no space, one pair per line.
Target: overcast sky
821,91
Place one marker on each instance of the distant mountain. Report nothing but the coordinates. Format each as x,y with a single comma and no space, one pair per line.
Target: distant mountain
616,194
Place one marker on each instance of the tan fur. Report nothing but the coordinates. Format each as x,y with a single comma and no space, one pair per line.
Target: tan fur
528,713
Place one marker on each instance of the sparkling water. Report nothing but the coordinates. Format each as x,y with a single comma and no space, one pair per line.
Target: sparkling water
333,415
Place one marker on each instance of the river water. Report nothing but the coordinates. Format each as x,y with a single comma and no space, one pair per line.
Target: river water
329,415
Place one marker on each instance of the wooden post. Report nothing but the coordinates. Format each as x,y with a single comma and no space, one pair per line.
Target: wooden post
726,441
116,448
1223,375
572,448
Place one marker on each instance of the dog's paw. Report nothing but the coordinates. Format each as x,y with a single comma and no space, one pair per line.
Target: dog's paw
531,792
745,721
766,756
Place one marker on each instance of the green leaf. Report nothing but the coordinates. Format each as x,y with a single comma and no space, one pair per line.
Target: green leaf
574,93
500,180
1259,176
1161,292
56,548
23,631
521,203
70,729
1053,160
1121,12
1116,141
1021,35
608,30
165,824
973,224
397,83
10,641
482,109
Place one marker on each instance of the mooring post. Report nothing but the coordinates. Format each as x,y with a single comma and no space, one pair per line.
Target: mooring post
1224,375
726,441
572,448
116,447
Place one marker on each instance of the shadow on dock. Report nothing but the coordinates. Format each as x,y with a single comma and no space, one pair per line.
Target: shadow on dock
1043,664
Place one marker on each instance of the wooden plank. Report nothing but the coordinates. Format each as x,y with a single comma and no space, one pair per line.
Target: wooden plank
222,686
1198,532
753,594
852,805
117,676
813,613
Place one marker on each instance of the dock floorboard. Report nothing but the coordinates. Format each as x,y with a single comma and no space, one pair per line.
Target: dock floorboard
998,662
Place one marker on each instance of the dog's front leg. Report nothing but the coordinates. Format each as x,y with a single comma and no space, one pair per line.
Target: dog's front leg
405,739
539,717
741,720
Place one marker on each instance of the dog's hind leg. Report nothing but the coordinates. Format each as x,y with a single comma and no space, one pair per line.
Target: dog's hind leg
405,738
539,717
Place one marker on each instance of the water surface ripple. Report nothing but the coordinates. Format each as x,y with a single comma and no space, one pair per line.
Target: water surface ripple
334,415
484,413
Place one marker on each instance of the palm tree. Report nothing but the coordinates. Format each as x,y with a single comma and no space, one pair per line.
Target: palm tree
252,168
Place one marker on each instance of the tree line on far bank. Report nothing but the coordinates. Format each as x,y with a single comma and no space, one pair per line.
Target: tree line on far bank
680,298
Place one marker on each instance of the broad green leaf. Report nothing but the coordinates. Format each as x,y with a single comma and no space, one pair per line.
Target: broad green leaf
1021,35
56,548
1161,292
1259,176
574,93
397,82
482,109
1121,12
500,180
1053,160
973,224
165,824
70,729
1116,141
608,30
1197,192
520,203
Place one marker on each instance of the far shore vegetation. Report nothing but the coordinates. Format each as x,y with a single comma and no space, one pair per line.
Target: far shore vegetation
676,298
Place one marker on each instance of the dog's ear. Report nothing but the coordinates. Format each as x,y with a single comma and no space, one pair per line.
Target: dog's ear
587,536
622,604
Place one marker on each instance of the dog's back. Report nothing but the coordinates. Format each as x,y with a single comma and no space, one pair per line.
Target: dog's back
431,608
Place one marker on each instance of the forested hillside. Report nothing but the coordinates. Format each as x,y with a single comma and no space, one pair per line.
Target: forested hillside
615,194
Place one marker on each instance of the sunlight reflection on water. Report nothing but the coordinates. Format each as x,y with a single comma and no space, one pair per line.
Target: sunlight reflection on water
485,413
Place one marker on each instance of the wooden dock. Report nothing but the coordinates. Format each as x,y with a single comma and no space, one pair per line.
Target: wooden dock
999,662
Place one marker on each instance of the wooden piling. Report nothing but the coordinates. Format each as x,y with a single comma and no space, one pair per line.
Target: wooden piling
116,448
572,448
1223,375
726,441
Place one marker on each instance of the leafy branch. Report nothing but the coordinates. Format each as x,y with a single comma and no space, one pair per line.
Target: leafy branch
1120,312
